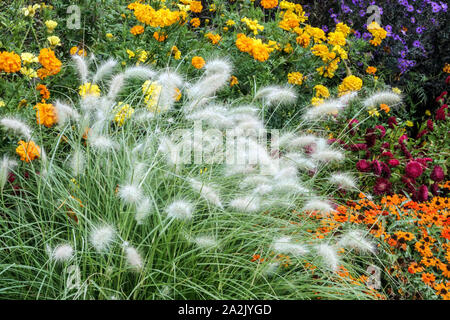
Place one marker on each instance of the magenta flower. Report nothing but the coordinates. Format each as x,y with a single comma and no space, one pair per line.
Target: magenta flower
382,185
391,122
402,138
376,167
430,125
413,169
393,162
363,166
437,174
382,129
422,193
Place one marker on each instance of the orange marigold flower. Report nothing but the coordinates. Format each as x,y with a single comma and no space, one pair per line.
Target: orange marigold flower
28,151
137,30
371,70
269,4
159,36
196,6
43,91
10,62
45,114
214,38
79,51
233,81
385,108
198,62
428,278
50,63
195,22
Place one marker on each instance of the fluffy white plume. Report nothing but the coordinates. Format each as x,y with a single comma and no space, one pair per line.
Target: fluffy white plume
301,141
246,204
346,98
104,70
277,95
139,72
299,161
214,116
205,241
318,205
343,180
388,97
328,107
329,256
6,165
115,86
64,112
130,194
253,181
218,66
77,163
102,143
82,67
169,82
180,209
290,186
354,239
101,237
286,246
207,86
143,211
17,126
133,257
62,252
328,156
207,192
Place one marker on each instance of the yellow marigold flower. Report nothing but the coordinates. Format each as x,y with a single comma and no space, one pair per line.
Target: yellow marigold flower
321,91
28,58
269,4
109,36
396,90
89,89
123,112
336,38
195,22
373,112
447,68
2,103
196,6
178,94
329,70
29,72
28,151
176,53
317,33
428,112
349,84
316,101
9,62
230,23
137,30
214,38
343,28
341,51
54,41
156,18
253,25
409,123
198,62
371,70
152,91
79,51
143,55
260,51
131,54
51,25
288,48
212,7
233,81
30,11
45,114
303,40
377,32
295,78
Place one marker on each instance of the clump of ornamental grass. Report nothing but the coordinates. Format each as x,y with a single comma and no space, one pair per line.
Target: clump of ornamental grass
159,202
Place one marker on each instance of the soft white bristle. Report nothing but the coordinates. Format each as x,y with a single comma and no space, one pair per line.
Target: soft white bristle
62,252
329,256
6,165
139,72
205,241
143,211
16,126
64,112
180,209
387,97
102,143
246,204
101,237
318,205
115,86
134,259
130,194
286,246
325,109
207,192
218,66
277,95
82,67
328,156
104,70
343,180
77,163
354,239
